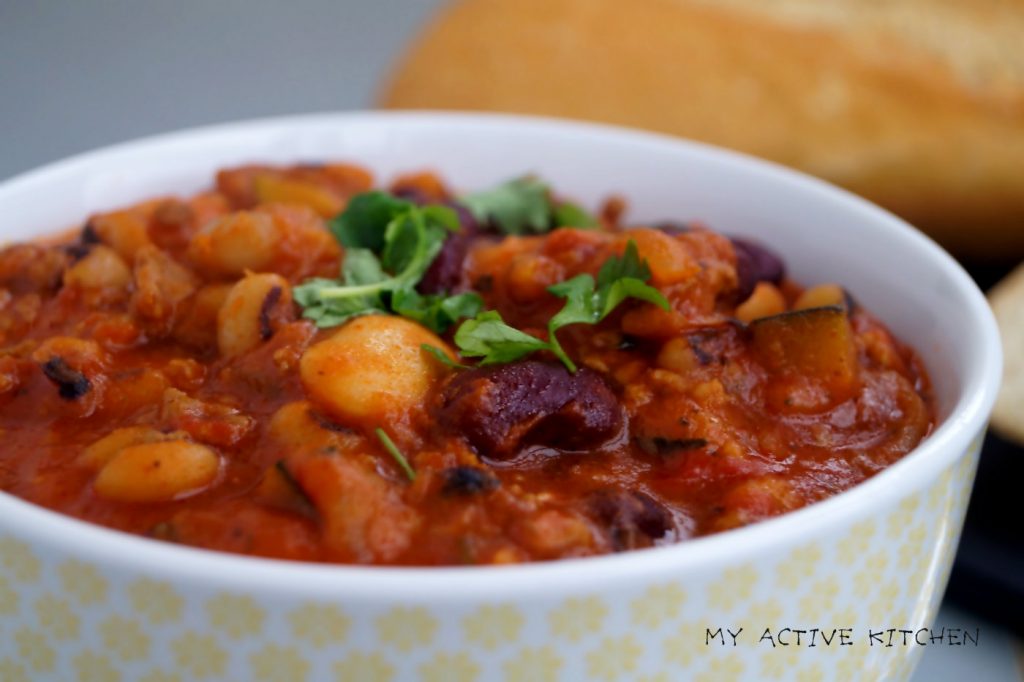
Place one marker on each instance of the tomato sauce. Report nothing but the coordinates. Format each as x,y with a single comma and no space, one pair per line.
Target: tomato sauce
157,376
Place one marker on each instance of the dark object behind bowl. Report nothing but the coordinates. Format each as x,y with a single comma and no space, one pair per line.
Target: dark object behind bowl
988,575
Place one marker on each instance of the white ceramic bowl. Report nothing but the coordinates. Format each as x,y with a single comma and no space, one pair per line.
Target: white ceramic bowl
82,602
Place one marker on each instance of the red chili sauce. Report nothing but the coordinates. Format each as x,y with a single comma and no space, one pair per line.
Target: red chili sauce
157,376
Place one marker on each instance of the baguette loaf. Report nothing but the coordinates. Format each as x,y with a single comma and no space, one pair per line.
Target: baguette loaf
916,104
1007,300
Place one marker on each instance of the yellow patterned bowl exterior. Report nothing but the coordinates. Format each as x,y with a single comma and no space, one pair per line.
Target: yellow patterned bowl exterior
79,602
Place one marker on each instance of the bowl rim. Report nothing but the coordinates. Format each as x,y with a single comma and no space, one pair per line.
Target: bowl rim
948,442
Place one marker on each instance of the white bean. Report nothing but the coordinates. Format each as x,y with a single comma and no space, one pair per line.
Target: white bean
157,472
247,317
101,268
245,240
370,368
104,449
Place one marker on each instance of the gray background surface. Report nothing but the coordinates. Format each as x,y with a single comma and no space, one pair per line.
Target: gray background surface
77,75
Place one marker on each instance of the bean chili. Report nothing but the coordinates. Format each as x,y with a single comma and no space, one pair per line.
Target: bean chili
480,385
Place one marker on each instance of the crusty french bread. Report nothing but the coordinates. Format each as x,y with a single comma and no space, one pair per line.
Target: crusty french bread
1007,299
916,104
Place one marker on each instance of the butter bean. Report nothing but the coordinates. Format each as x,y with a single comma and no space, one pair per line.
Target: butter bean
240,241
104,449
101,268
370,368
158,472
766,301
252,310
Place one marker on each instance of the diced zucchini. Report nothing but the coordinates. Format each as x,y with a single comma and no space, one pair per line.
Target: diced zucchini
815,343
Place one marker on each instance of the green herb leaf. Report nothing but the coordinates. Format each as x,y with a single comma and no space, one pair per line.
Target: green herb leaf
361,224
580,301
487,336
393,450
567,214
623,277
359,292
408,239
410,246
331,313
442,215
307,294
434,311
361,267
628,287
586,302
620,277
442,357
523,206
518,206
626,265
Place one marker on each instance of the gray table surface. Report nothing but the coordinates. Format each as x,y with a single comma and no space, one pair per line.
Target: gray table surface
80,75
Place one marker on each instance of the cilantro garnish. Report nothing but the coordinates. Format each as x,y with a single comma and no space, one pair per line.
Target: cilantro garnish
435,311
518,206
523,206
359,225
389,244
393,450
567,214
488,337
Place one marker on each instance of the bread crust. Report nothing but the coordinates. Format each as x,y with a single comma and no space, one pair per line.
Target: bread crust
1007,299
938,140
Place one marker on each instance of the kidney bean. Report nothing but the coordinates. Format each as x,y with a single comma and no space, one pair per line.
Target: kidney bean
502,408
412,194
467,221
755,263
632,519
445,273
